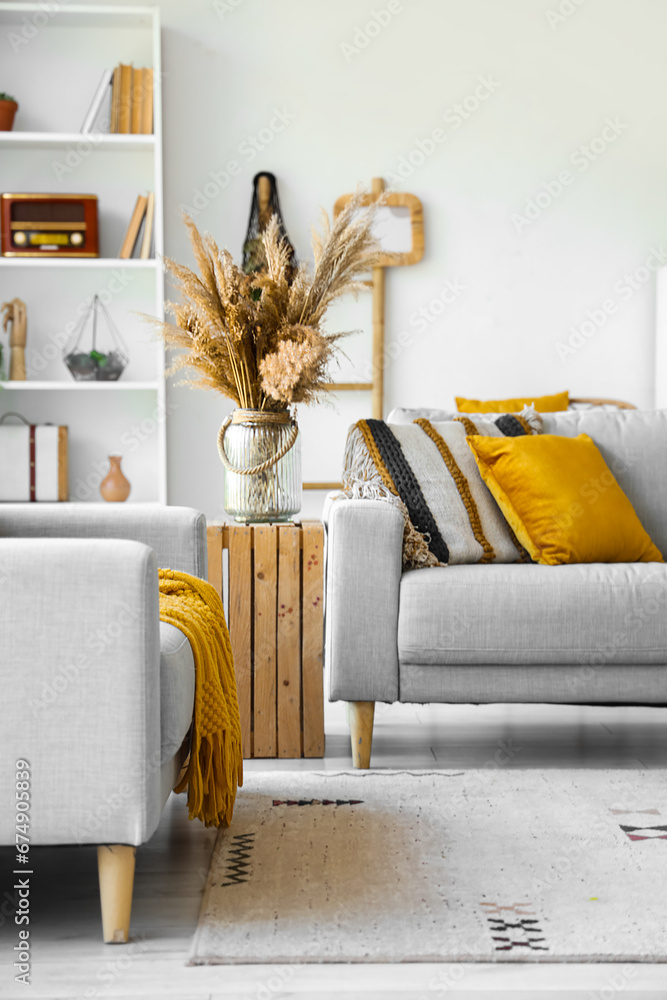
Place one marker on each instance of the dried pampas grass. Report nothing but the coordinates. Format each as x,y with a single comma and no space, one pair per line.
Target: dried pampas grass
258,339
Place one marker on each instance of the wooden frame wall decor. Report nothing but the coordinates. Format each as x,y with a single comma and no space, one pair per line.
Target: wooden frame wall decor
392,199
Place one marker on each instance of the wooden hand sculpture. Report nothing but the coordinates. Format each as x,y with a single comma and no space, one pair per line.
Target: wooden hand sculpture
16,314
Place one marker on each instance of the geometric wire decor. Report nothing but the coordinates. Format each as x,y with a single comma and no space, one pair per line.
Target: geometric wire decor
106,358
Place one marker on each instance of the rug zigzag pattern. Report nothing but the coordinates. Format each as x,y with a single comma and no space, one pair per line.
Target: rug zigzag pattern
318,802
237,867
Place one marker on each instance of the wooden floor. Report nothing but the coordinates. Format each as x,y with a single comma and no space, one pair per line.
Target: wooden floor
69,959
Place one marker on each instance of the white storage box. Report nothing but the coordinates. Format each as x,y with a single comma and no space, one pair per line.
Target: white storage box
33,461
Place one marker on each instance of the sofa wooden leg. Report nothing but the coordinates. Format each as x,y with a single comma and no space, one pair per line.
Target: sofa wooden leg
361,731
115,867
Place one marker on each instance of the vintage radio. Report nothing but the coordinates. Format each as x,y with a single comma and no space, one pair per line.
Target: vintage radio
48,225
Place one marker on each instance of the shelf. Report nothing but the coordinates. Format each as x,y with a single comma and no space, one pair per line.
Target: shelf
80,386
103,262
81,15
42,140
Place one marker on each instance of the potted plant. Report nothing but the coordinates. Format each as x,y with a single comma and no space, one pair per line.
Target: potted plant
8,108
259,340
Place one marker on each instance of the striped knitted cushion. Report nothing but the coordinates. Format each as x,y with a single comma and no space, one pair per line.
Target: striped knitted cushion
428,471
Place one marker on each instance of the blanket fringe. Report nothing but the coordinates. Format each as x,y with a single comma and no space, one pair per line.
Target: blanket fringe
215,767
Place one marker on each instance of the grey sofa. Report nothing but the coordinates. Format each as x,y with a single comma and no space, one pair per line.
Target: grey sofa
97,692
590,633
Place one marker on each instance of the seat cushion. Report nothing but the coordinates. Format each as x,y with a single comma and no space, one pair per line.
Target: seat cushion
177,688
530,614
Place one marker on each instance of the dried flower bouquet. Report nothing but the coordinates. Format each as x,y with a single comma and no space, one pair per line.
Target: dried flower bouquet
258,339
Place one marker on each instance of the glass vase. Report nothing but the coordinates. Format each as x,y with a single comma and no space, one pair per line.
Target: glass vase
250,439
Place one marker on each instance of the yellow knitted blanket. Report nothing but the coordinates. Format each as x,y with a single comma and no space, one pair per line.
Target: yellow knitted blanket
215,768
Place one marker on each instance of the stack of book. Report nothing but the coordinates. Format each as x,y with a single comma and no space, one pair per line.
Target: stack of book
123,102
144,211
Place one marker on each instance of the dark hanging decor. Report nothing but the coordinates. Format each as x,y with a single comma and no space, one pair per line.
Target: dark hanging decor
265,203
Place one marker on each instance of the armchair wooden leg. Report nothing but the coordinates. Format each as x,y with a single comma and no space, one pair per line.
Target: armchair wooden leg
361,731
115,867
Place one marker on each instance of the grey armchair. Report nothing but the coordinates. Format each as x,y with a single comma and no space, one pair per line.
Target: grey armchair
97,692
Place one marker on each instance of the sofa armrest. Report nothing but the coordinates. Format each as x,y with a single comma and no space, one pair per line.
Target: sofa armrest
79,673
177,535
364,565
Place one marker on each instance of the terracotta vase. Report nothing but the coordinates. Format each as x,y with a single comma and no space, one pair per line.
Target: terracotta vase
115,487
7,111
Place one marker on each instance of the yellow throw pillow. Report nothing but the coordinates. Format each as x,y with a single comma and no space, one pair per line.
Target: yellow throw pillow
543,404
561,500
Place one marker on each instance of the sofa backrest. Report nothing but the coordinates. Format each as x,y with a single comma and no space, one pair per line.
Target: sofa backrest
633,443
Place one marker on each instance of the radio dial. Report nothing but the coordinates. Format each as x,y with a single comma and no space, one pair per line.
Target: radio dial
20,239
76,239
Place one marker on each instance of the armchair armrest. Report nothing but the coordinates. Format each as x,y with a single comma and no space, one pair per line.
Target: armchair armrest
177,535
364,564
79,674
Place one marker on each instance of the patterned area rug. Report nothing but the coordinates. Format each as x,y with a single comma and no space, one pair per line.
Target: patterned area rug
473,866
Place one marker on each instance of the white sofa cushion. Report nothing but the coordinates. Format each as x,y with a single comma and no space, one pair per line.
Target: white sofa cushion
591,614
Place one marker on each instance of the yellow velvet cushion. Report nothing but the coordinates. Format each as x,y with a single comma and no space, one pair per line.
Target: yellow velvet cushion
561,500
543,404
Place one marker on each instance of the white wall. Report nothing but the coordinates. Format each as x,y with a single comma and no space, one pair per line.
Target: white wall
229,65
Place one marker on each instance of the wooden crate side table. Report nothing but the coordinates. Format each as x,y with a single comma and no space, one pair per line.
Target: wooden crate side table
275,583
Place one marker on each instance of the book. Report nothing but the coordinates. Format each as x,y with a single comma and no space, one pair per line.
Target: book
148,227
137,100
125,99
102,92
115,94
147,102
132,232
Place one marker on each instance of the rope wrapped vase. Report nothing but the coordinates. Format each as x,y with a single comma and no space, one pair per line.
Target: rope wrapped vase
261,454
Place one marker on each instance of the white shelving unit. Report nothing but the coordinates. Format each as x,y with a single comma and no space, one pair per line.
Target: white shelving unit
52,66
